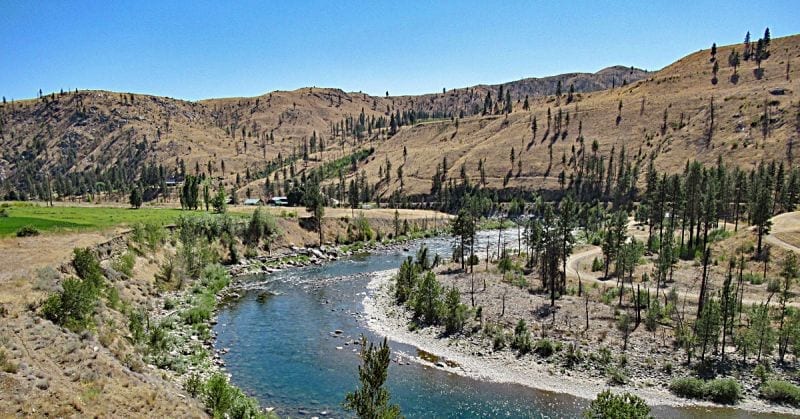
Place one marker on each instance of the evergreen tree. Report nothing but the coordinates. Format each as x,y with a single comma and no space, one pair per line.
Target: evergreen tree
136,197
315,203
789,274
426,303
707,326
371,400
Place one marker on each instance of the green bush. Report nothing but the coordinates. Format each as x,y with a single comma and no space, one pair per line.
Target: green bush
218,395
224,400
27,231
723,390
778,391
196,315
193,385
87,266
74,306
597,265
124,264
136,323
497,334
688,387
544,348
754,279
522,338
158,340
215,278
574,355
609,405
616,376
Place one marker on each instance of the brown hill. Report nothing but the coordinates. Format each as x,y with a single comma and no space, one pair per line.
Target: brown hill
78,136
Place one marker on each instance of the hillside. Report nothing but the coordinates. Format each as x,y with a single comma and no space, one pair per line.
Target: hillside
95,141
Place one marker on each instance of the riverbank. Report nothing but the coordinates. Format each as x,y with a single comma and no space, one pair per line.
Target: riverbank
473,357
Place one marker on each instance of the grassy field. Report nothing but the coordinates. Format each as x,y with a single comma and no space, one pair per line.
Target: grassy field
59,219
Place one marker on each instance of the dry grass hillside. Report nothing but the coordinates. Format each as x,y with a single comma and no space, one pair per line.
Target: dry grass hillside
94,130
681,91
70,132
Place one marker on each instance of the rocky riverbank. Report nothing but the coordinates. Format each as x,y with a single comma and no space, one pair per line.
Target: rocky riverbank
474,357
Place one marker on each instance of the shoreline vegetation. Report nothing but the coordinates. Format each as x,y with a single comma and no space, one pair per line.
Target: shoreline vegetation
195,265
146,299
420,304
223,285
477,360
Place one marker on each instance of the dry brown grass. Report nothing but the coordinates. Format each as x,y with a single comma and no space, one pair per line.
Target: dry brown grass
191,130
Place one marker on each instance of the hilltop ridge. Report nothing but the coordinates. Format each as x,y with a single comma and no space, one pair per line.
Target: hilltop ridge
89,140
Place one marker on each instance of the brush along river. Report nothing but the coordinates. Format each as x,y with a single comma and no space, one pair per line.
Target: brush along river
290,342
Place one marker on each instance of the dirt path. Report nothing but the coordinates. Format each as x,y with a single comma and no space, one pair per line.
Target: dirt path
784,223
788,222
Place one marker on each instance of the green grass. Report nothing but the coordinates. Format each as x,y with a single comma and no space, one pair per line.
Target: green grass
60,219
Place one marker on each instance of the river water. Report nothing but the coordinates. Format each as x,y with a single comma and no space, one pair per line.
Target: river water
283,350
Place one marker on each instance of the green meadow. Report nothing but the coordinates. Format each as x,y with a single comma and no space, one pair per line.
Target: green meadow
61,219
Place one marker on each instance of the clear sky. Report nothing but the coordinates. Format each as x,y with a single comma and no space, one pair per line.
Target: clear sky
203,49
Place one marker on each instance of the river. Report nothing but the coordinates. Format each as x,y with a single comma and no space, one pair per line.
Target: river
284,350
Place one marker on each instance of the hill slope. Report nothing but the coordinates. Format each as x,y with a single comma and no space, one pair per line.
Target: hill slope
87,141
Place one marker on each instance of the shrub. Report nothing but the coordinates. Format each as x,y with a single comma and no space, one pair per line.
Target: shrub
723,390
574,355
754,279
780,392
87,266
158,340
522,338
616,376
74,306
497,334
597,265
46,279
136,322
544,348
688,387
27,231
604,355
196,315
610,405
124,264
215,278
762,372
193,385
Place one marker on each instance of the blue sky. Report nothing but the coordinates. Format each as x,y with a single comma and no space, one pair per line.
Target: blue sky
203,49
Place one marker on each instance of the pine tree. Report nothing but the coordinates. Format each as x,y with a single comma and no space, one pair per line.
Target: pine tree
789,273
707,327
315,203
371,400
136,197
747,46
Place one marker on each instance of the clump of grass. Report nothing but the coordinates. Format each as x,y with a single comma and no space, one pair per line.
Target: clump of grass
6,365
28,231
